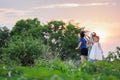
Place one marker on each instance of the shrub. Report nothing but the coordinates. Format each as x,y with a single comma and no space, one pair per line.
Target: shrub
23,49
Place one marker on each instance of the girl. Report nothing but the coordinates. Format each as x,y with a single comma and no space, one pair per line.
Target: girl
96,52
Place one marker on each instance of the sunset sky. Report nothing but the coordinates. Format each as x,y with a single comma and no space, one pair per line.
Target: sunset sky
100,16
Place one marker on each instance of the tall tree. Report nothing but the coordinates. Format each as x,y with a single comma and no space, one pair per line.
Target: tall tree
63,38
23,26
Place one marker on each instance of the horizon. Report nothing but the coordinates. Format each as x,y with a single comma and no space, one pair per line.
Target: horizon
100,16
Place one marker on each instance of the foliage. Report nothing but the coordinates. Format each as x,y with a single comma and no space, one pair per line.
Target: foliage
59,35
101,68
58,70
24,49
70,41
4,34
114,56
23,26
62,38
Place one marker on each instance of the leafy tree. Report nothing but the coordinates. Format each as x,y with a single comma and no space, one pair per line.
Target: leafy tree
4,34
62,38
23,26
70,41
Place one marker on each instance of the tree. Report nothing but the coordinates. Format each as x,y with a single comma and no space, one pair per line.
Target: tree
62,38
24,26
4,34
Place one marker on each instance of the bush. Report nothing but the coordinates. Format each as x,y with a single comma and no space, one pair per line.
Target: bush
24,50
114,56
58,70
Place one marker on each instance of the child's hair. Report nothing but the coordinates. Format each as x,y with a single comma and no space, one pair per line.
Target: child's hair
93,34
82,34
98,38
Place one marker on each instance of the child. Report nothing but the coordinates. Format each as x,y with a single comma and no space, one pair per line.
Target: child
82,46
96,51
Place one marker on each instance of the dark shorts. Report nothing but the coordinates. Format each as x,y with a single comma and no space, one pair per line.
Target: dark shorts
84,51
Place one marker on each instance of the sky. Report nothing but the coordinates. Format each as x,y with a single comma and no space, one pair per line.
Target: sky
100,16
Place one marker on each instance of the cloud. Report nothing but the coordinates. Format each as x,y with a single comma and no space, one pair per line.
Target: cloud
70,5
11,14
9,11
58,6
17,12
